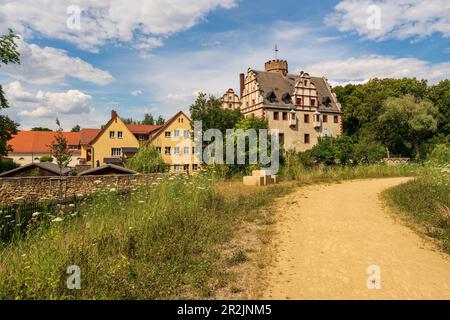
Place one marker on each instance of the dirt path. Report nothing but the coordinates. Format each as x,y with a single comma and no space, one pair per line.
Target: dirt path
328,235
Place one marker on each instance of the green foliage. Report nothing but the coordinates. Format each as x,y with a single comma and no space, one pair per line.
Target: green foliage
76,128
161,242
240,134
40,129
148,120
147,160
439,95
60,150
324,151
362,103
160,121
209,111
426,200
440,156
45,159
8,54
406,122
369,115
7,165
368,152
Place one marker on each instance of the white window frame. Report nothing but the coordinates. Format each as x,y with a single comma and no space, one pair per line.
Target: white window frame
116,152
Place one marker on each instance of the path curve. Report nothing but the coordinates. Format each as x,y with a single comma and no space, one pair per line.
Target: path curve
328,235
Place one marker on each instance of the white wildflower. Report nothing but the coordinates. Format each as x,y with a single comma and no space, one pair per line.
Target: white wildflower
57,219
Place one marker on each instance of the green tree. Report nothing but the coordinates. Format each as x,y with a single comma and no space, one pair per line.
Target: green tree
8,54
406,122
209,111
148,119
147,160
40,129
362,104
160,121
60,150
76,128
241,129
439,95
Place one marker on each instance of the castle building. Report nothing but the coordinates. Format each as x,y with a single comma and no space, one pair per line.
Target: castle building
302,107
230,100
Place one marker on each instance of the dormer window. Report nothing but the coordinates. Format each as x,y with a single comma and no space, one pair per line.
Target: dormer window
287,98
326,101
271,97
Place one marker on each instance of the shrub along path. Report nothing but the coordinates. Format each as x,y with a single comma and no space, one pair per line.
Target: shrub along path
327,237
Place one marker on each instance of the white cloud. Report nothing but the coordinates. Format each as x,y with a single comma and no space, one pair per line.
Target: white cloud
47,65
104,21
400,19
136,93
361,69
46,104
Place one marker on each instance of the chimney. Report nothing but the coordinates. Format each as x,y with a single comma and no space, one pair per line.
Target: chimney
113,114
242,84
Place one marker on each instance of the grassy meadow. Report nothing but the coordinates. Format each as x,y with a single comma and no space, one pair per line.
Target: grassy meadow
162,241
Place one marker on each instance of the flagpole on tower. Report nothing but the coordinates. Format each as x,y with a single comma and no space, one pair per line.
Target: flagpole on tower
276,52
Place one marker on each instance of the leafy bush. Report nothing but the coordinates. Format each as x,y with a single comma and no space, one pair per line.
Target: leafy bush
7,165
367,152
45,159
147,160
440,156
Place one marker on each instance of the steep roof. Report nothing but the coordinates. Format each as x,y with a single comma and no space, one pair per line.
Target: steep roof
107,169
40,141
87,135
142,128
168,123
47,166
279,84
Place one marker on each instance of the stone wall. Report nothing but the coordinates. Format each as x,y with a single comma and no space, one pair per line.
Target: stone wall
36,189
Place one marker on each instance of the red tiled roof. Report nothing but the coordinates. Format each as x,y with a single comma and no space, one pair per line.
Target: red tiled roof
39,141
142,129
87,135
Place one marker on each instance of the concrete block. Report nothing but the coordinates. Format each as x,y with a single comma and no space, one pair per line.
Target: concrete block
275,179
260,173
254,181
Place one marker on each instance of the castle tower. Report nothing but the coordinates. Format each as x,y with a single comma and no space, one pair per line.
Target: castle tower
277,65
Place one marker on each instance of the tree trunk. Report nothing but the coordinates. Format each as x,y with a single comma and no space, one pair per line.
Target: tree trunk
417,150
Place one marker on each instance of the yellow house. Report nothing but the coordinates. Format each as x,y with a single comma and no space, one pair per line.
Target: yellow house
117,141
114,143
174,142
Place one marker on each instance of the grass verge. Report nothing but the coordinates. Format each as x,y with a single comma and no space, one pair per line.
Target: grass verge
160,243
426,201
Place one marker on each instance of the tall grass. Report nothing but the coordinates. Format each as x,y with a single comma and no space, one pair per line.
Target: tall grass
337,173
426,200
159,243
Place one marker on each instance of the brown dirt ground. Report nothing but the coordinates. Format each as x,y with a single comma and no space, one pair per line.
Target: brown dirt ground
326,236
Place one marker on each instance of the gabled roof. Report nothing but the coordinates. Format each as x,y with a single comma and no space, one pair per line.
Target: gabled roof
281,84
110,168
48,166
142,128
40,141
167,124
133,128
87,135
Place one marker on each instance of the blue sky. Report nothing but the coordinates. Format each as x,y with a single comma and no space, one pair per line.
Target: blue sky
153,56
